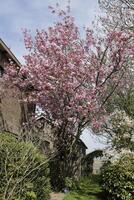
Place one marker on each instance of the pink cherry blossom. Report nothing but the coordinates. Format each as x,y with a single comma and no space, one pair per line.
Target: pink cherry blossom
69,76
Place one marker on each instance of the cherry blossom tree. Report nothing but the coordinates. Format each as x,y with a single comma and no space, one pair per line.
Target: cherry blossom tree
68,76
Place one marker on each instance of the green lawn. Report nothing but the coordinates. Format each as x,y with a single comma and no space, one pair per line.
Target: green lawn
77,196
86,189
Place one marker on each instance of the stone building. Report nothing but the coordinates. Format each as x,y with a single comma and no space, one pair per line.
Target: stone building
98,164
93,162
10,106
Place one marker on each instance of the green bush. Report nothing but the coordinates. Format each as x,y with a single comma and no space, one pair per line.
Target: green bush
69,182
24,173
118,178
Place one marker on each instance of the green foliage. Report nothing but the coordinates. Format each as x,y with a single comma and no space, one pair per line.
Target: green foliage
118,178
69,182
126,101
122,100
24,171
86,189
88,185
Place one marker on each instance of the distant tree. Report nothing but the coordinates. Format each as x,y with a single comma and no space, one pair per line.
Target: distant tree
122,100
120,14
120,131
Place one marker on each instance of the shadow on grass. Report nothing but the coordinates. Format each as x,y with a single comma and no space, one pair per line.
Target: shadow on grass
95,195
78,196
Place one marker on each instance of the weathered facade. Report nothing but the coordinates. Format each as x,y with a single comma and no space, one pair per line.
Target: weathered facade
98,164
10,106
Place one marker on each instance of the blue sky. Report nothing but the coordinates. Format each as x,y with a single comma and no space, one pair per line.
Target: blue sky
33,14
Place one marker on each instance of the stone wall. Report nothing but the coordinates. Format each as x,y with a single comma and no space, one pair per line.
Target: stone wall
10,110
97,164
10,106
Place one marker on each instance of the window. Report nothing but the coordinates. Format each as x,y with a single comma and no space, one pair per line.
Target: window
1,55
1,71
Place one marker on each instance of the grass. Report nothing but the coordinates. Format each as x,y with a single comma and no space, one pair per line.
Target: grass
86,189
77,196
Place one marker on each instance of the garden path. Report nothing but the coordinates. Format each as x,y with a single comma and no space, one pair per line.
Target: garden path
57,196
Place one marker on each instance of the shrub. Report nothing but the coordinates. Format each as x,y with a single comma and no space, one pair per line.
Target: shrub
69,182
118,178
23,171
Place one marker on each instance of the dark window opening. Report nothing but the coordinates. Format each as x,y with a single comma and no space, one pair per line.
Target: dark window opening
1,71
1,55
31,107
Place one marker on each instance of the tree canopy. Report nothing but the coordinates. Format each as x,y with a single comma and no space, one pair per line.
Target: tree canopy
68,75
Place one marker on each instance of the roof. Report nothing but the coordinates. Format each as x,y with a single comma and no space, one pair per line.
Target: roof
83,143
10,55
41,116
